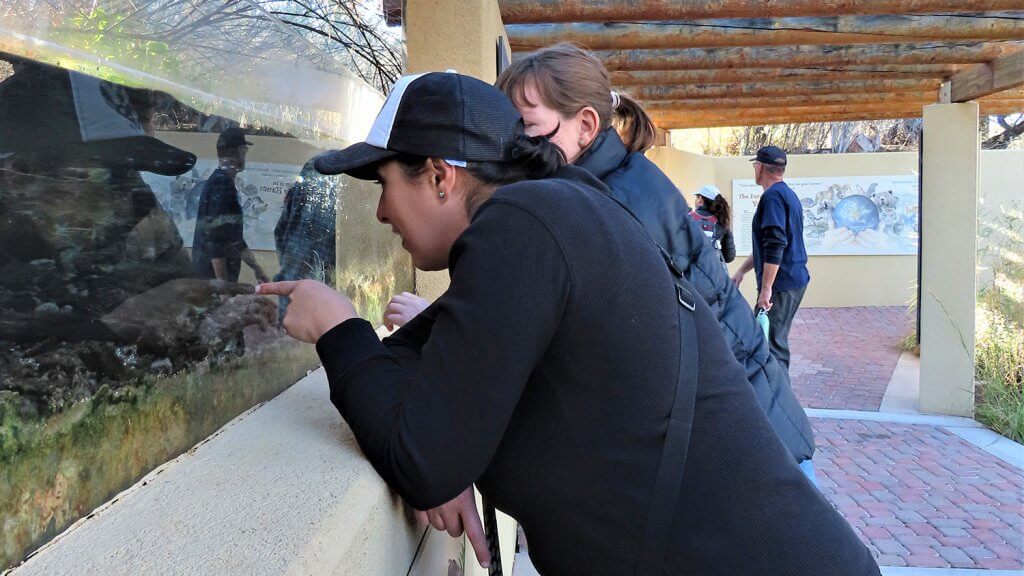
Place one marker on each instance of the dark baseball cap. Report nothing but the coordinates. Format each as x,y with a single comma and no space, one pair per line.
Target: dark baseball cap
771,155
437,114
232,138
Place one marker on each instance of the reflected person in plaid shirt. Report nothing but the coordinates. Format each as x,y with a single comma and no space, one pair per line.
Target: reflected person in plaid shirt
304,235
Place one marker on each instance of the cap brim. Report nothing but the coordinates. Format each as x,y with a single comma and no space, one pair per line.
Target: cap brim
358,160
142,153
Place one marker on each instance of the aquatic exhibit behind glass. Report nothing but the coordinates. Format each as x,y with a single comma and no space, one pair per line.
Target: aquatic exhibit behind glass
154,165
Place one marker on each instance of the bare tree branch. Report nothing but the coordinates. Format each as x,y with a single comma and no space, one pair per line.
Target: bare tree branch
349,28
1010,133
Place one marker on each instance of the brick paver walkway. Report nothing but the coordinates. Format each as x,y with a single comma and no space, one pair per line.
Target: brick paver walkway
921,496
843,358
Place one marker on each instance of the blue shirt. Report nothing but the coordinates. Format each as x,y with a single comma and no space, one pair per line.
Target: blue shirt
779,207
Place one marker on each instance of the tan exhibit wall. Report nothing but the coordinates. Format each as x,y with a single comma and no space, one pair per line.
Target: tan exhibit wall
841,281
458,35
1000,193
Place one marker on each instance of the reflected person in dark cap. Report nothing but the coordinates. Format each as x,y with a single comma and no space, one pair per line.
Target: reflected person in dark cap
87,253
219,247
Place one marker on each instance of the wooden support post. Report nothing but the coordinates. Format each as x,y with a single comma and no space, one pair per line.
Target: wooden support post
945,93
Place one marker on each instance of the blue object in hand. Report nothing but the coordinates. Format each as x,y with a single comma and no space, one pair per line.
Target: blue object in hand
762,319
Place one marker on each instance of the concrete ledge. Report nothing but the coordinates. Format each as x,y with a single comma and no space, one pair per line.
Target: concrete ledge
282,489
925,419
999,446
902,571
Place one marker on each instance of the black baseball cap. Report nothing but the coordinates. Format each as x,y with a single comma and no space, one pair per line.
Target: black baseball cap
771,155
438,114
232,138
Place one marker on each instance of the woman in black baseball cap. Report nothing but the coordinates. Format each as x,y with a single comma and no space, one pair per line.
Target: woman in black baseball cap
621,445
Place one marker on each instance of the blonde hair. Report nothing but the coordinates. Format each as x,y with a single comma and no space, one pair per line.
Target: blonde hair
569,79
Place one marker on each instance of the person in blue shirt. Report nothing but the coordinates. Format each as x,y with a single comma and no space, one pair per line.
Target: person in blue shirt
779,258
218,247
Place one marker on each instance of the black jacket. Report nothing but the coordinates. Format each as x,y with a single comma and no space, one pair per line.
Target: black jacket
647,192
546,373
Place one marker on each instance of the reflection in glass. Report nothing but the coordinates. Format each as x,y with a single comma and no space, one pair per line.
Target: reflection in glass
123,340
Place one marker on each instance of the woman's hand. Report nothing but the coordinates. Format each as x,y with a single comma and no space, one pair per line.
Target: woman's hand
314,309
457,516
402,308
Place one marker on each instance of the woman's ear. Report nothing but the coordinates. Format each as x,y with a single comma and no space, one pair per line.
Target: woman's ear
442,177
590,125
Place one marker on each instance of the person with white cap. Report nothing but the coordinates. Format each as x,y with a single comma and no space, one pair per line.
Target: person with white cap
622,446
712,213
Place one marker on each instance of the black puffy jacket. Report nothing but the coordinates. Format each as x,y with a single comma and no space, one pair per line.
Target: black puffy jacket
647,192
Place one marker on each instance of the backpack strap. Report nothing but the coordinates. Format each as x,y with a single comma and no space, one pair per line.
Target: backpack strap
672,463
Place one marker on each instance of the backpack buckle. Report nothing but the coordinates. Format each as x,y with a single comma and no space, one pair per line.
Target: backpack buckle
685,298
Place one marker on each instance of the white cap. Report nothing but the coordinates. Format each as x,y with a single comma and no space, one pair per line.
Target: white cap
710,192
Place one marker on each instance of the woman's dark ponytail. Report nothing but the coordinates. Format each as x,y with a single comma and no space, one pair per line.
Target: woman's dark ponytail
719,208
533,158
538,155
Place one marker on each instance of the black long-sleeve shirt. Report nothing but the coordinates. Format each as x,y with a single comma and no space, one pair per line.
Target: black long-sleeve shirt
546,373
773,244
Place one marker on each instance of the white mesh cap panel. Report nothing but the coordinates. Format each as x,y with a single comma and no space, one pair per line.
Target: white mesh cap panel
380,133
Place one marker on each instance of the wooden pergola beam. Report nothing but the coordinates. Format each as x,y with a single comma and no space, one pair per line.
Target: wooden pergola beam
1012,94
533,11
687,91
742,103
1000,74
824,109
769,32
799,115
712,120
805,56
624,78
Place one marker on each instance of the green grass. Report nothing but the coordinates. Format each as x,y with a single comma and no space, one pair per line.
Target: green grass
55,470
999,329
1000,406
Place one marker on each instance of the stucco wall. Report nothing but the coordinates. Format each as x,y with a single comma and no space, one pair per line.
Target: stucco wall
1000,193
460,35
